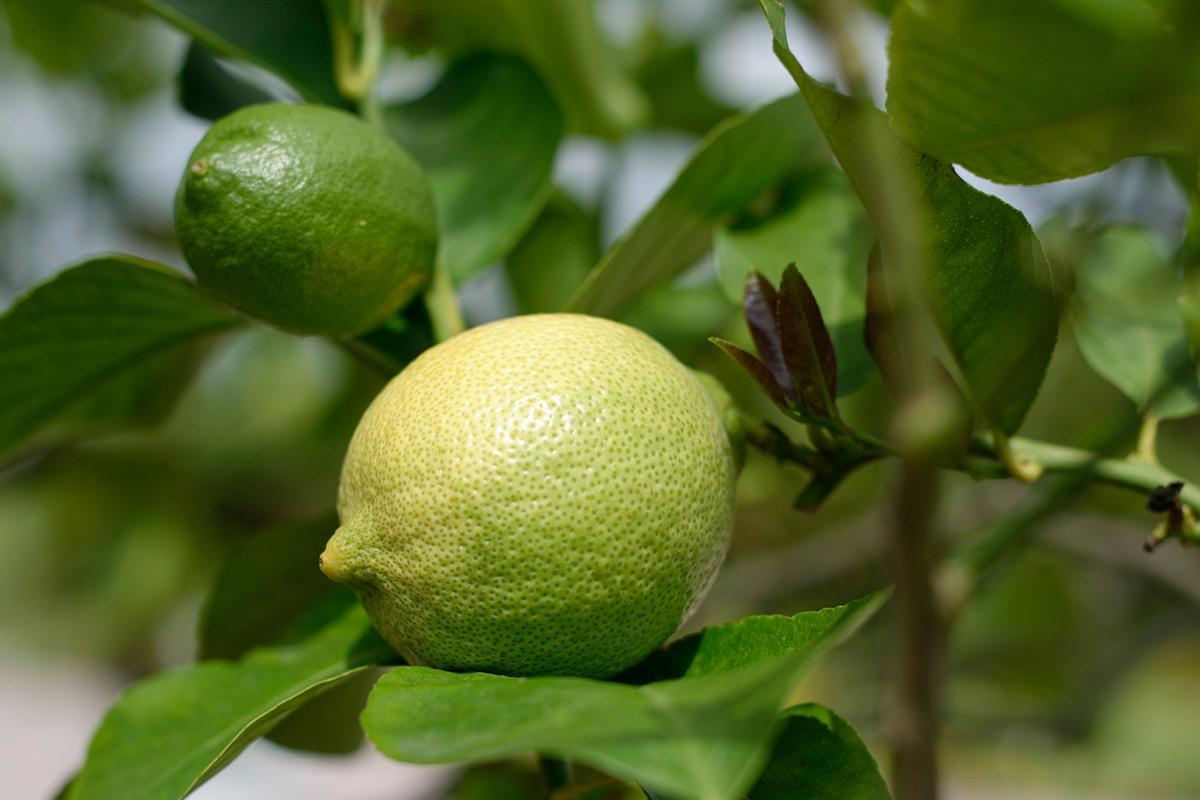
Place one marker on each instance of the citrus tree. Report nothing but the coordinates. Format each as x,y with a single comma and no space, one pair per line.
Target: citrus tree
531,509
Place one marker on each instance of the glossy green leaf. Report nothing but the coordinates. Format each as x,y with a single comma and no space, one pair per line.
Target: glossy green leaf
561,38
553,257
264,586
1128,322
818,756
722,648
821,227
288,37
1028,91
209,90
731,167
486,136
986,279
103,319
704,735
169,733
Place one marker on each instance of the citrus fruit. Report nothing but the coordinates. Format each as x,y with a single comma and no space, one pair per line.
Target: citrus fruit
306,218
548,494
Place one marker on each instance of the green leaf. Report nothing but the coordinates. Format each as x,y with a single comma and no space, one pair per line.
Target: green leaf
1028,91
561,38
722,648
818,756
137,399
985,277
1129,326
107,317
265,584
553,257
822,228
209,90
288,37
169,733
701,736
732,166
486,136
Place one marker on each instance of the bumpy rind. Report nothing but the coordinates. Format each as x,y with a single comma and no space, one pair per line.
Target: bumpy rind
550,494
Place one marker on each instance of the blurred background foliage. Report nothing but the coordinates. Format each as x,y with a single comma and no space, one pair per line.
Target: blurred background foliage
1071,675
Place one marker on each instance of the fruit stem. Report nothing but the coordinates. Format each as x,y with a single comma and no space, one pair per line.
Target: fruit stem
444,314
1147,443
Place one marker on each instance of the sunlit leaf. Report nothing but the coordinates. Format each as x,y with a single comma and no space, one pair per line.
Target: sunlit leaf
1028,91
703,735
169,733
1128,322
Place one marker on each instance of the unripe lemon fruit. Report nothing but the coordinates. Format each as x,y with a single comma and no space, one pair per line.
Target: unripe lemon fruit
548,494
307,218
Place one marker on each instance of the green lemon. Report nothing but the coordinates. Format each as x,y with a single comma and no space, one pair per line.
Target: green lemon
548,494
307,218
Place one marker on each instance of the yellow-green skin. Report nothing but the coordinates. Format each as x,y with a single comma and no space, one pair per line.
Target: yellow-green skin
307,218
548,494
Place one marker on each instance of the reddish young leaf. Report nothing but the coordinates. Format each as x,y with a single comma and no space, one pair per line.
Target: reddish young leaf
756,370
759,302
805,344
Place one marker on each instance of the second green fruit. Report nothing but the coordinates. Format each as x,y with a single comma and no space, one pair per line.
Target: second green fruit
307,218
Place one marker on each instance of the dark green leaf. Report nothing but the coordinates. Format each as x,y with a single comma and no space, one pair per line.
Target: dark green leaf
288,37
821,226
703,736
209,90
756,370
732,166
97,321
818,756
137,399
1027,91
1129,326
266,583
169,733
486,136
553,257
561,38
985,277
805,344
